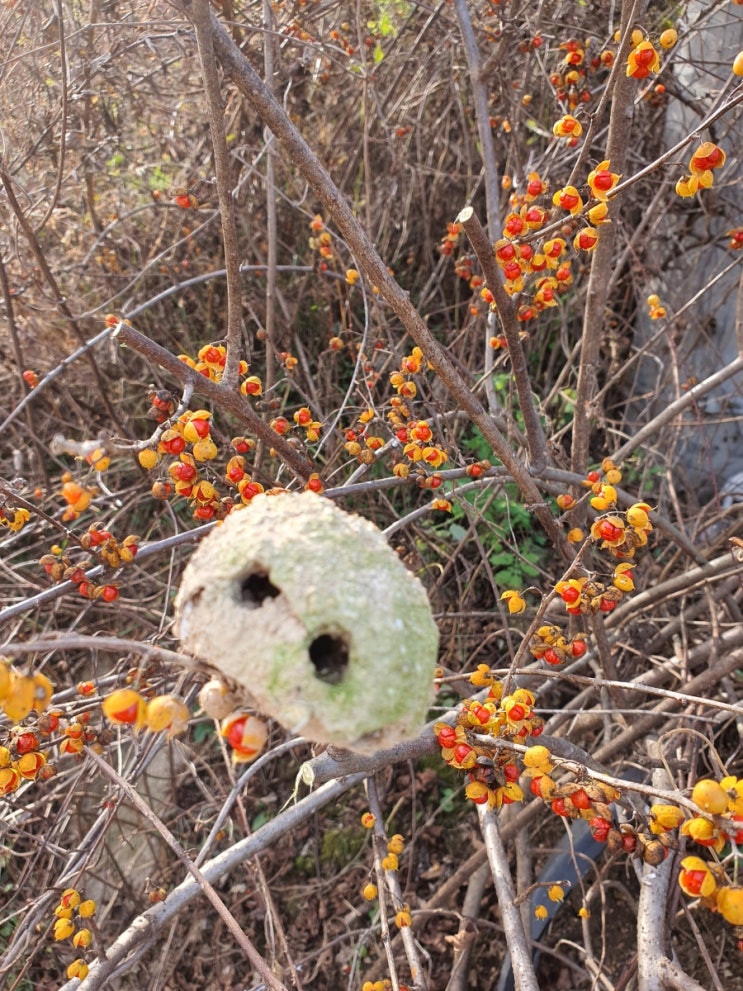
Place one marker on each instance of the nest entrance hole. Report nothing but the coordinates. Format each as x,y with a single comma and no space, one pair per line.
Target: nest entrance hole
329,656
256,588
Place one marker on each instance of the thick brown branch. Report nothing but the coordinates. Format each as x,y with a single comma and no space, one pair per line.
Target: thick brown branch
241,73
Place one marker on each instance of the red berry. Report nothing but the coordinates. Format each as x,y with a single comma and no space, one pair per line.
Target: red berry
462,752
599,828
110,593
609,530
447,737
128,715
580,799
578,648
570,594
175,445
551,657
558,806
603,180
26,743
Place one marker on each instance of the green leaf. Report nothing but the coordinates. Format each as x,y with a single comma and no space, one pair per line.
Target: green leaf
457,531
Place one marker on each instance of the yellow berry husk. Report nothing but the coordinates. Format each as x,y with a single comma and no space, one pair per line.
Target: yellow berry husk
205,450
82,938
20,698
78,968
86,909
124,707
166,712
701,830
710,796
10,780
370,892
396,844
664,818
538,757
70,898
63,929
730,904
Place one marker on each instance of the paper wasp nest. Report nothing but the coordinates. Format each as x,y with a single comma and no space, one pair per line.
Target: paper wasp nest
315,618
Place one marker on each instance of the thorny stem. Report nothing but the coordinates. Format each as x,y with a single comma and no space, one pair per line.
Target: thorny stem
202,25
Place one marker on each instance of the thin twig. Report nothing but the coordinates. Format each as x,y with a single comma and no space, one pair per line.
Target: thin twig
518,943
536,441
202,25
391,880
154,919
601,266
242,74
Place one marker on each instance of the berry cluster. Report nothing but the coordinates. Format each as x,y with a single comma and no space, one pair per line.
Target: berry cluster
244,732
21,759
162,713
70,910
492,779
108,551
702,164
552,646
